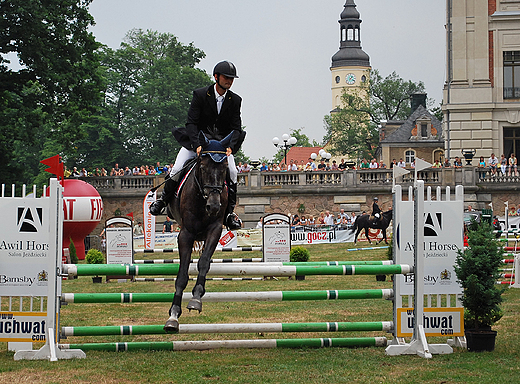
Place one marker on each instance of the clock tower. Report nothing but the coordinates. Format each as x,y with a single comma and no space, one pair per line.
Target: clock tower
350,65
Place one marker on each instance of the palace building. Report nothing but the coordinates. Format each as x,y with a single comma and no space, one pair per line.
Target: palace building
482,91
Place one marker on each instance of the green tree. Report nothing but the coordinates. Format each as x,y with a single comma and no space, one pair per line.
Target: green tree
150,79
53,89
353,128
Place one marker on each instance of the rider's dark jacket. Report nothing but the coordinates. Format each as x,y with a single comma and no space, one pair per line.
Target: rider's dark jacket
375,209
203,116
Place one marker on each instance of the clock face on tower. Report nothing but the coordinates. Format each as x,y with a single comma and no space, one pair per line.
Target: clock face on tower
350,78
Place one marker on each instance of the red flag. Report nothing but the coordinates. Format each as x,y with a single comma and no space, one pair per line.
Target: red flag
131,214
55,166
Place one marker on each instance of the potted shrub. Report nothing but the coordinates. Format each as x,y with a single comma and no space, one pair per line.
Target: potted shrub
477,270
95,256
299,255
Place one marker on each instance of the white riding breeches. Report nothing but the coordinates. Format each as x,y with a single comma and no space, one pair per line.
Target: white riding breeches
185,154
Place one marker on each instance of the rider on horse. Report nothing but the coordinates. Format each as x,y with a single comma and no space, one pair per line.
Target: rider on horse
376,211
214,110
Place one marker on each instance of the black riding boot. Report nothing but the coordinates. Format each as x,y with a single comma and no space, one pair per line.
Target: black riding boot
232,221
170,186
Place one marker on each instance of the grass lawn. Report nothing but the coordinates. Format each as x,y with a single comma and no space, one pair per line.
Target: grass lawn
327,365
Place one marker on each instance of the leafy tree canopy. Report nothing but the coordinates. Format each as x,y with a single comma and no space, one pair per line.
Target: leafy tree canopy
52,89
352,129
149,83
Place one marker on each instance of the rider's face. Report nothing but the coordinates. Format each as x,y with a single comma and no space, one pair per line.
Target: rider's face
223,82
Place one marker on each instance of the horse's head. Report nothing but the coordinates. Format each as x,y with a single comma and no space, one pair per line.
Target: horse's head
212,172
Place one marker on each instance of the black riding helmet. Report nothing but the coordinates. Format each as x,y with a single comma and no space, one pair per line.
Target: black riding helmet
225,68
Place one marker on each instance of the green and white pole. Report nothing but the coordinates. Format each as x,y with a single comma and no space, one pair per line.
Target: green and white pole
112,330
232,269
259,259
217,344
215,297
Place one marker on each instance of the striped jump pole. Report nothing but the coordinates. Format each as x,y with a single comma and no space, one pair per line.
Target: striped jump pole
218,344
385,326
217,297
281,264
231,269
166,279
177,261
224,249
366,249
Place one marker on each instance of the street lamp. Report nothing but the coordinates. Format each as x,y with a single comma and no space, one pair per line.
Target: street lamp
323,154
288,142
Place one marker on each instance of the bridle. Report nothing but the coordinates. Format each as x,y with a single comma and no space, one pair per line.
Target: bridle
203,187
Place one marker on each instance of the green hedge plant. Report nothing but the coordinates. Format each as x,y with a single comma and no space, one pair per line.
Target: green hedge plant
477,270
94,256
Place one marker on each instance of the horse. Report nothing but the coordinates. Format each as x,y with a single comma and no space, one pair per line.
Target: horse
199,209
364,222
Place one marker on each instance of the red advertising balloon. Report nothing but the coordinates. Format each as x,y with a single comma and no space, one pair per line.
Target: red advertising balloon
82,212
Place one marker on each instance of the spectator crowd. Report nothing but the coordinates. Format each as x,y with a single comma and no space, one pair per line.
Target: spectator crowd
503,166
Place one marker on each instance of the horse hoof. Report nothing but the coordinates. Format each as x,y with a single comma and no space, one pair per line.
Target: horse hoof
171,326
195,304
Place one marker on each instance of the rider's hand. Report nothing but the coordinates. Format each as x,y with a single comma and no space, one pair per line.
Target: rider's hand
199,149
228,151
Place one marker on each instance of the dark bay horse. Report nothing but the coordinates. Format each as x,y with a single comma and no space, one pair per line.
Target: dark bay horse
365,222
199,210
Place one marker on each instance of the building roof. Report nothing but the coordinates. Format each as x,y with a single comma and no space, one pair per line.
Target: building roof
300,153
350,52
404,132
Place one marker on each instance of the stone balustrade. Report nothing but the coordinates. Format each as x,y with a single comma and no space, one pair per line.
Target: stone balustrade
289,182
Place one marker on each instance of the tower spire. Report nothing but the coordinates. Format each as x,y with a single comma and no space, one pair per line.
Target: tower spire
350,52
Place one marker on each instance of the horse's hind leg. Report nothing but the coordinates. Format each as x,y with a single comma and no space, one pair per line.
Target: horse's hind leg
185,242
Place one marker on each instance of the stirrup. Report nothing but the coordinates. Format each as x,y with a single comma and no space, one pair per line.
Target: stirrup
157,207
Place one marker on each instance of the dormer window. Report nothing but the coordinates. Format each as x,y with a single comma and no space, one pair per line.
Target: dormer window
423,129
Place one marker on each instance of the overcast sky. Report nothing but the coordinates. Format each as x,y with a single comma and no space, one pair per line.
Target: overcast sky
282,50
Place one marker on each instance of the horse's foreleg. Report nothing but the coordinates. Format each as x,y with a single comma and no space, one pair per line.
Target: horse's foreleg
185,242
203,266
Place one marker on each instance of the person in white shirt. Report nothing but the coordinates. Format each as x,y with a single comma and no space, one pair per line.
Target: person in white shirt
373,164
329,219
401,163
493,162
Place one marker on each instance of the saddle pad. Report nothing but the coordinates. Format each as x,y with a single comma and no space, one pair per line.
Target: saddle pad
181,184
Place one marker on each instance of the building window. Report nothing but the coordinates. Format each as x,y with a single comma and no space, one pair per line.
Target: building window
350,33
511,141
409,156
424,130
343,34
511,74
356,33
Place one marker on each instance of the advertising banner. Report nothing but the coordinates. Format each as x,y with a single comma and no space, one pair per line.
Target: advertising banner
437,322
443,230
276,240
25,251
22,326
149,221
119,245
228,239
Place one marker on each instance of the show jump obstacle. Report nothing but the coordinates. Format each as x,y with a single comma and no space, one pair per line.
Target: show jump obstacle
46,268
